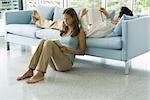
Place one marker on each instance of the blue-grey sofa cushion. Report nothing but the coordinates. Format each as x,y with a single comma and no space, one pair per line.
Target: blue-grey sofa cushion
106,43
118,29
32,22
48,34
58,13
27,30
111,14
126,17
46,12
18,17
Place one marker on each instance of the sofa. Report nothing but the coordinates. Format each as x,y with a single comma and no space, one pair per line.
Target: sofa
133,40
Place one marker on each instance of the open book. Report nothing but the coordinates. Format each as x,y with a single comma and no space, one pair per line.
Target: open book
95,16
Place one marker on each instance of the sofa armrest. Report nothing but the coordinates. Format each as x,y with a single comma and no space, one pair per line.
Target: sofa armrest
17,17
135,37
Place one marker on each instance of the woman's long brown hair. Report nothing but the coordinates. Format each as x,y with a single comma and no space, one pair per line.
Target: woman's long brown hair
76,28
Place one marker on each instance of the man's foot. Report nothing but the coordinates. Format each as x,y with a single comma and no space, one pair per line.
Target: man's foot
36,78
27,74
35,16
83,12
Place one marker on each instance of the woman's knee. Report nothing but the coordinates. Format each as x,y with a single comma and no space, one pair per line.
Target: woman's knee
48,43
42,41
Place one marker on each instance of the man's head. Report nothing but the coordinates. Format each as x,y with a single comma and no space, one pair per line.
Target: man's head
126,11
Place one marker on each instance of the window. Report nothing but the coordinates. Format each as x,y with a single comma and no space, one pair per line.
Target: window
139,7
142,7
51,2
32,4
113,4
117,4
8,5
85,3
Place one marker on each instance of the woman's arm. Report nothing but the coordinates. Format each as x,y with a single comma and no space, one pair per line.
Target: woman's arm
82,45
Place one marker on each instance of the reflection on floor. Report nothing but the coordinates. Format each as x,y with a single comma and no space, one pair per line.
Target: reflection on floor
2,27
88,80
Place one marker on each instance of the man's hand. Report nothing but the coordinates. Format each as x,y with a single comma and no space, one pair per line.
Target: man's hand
104,11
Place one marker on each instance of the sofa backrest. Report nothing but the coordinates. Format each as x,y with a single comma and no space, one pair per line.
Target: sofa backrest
118,29
55,13
58,13
45,11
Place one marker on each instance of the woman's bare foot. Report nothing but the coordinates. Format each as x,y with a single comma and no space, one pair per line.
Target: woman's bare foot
39,76
27,74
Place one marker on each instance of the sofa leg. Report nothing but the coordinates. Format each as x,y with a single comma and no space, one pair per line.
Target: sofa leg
127,67
8,46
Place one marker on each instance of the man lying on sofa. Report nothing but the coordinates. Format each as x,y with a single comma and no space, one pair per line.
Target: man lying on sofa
96,30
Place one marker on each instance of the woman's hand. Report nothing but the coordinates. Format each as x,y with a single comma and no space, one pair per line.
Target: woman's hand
64,49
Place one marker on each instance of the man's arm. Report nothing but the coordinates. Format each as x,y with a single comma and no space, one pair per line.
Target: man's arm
104,11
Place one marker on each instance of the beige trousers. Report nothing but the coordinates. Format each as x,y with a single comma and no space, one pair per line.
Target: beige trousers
49,53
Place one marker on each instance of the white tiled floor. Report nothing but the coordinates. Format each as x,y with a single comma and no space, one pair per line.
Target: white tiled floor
88,80
1,27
